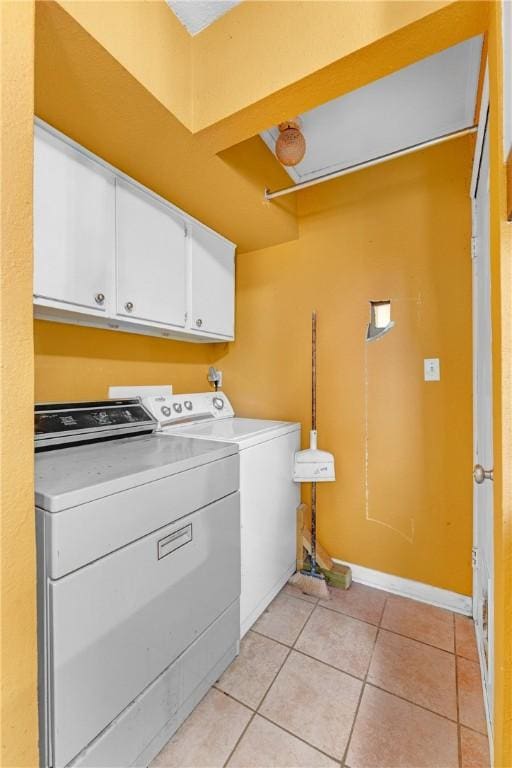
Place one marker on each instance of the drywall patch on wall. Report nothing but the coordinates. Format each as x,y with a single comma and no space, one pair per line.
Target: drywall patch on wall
395,514
407,535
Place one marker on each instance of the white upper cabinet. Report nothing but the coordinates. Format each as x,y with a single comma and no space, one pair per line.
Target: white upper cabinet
151,253
212,283
111,253
74,234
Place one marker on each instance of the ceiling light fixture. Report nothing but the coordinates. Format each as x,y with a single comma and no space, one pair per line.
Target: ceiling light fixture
290,144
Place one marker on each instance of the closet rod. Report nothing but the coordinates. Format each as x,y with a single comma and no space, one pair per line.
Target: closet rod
369,163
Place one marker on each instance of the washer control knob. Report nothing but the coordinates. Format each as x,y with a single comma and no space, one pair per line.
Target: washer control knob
188,405
165,410
218,403
177,407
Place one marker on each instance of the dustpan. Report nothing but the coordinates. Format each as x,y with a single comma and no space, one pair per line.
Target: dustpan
313,465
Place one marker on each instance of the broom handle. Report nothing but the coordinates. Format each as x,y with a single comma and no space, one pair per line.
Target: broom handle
314,567
313,371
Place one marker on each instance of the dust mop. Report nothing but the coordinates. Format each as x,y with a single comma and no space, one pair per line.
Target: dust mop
312,466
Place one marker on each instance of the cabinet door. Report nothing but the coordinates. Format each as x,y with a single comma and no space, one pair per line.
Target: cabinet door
150,258
74,225
212,283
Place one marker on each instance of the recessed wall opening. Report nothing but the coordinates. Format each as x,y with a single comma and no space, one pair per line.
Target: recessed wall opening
380,319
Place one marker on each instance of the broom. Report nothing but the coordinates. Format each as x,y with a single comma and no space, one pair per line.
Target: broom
312,582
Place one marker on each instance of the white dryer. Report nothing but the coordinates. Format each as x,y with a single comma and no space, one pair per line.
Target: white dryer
268,495
138,543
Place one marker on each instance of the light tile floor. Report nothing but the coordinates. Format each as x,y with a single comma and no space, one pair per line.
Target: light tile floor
364,680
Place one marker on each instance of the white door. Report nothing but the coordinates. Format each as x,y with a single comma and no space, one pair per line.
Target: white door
483,581
212,283
74,225
150,258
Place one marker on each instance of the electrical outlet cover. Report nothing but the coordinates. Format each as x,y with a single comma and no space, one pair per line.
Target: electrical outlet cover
431,369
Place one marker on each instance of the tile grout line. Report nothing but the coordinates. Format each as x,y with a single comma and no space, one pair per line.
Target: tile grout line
295,649
294,646
363,686
369,624
237,742
380,629
256,711
320,604
323,604
299,738
364,682
459,738
353,677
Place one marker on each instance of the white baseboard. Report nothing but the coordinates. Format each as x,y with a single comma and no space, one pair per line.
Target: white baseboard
425,593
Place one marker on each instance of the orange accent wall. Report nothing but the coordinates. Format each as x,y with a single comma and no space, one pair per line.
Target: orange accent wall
501,307
77,363
18,660
93,97
402,502
392,230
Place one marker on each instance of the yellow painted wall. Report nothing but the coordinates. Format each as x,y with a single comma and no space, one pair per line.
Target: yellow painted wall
149,42
262,61
399,231
376,232
81,363
258,30
17,535
363,41
501,299
282,57
93,97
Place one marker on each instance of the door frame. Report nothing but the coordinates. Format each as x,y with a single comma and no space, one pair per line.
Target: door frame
483,128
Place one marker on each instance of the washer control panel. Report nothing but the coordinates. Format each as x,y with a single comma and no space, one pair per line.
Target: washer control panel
190,408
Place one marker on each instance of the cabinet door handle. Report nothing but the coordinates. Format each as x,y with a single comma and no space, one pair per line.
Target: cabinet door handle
129,306
99,298
199,322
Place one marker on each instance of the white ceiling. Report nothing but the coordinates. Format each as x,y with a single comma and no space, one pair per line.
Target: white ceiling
196,15
430,98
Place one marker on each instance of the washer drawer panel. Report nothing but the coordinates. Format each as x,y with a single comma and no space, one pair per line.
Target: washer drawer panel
118,623
142,509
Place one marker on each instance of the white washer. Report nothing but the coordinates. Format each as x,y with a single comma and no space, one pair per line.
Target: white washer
268,495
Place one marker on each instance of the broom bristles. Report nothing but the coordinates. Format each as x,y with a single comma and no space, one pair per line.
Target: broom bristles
311,585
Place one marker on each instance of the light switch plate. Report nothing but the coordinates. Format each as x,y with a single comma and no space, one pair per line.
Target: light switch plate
431,369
